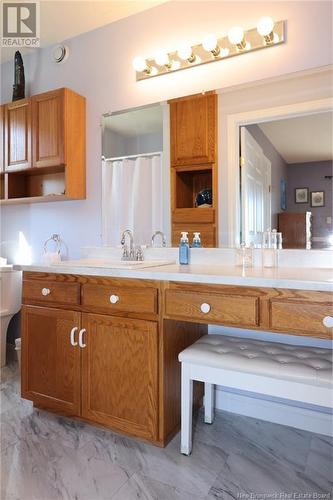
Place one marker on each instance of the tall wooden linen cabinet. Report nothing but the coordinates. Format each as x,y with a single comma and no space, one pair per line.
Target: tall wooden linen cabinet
193,133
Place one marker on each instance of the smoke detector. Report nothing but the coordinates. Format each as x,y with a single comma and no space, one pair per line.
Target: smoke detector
60,53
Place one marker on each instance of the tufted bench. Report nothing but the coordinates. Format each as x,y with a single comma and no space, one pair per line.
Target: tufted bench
282,370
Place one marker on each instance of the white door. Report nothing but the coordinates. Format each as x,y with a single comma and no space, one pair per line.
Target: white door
255,190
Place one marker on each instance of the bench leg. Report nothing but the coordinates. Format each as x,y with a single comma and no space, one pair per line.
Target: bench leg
209,403
186,411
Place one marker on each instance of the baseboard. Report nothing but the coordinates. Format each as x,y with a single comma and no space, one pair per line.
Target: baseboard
276,411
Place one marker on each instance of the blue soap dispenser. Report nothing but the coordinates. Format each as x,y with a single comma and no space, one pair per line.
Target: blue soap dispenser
184,249
196,241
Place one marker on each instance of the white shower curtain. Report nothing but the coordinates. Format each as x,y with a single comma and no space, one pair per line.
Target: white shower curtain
132,198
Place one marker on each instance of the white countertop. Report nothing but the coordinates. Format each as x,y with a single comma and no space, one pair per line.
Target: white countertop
293,278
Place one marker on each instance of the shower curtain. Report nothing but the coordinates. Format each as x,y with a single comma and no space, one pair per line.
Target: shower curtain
132,198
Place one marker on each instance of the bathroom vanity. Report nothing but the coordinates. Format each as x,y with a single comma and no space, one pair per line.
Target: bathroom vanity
104,348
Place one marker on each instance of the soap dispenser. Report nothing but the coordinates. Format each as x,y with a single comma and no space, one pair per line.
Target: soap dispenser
196,241
184,249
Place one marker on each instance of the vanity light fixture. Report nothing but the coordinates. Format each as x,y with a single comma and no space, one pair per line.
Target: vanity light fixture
236,37
210,44
163,59
185,52
141,66
265,28
265,35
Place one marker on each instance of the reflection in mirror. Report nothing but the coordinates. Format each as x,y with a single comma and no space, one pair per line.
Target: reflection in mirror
132,174
286,180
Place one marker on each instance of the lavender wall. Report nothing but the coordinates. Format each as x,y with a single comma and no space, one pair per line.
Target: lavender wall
311,175
278,168
99,67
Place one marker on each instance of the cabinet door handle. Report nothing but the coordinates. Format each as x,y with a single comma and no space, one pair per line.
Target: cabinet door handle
205,308
328,321
72,336
114,299
46,291
81,344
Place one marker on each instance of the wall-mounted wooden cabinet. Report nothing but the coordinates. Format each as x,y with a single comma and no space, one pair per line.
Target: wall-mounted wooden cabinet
193,129
44,148
193,133
17,135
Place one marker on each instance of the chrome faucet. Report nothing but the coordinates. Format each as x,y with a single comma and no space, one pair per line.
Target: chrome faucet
158,233
130,252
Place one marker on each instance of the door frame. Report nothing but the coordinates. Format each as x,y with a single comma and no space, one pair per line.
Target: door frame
234,122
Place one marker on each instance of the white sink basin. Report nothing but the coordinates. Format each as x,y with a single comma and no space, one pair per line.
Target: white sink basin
114,264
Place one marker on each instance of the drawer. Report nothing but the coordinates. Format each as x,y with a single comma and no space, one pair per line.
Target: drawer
212,307
301,317
47,292
120,298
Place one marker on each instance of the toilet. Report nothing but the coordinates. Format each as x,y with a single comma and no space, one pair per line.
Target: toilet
10,302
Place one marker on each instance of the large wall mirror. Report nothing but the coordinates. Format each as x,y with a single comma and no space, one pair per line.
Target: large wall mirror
286,180
279,174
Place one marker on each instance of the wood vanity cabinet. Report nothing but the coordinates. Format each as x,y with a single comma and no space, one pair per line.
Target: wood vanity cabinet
119,366
119,374
51,366
122,371
44,147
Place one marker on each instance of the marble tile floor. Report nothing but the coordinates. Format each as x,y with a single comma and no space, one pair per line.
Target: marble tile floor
47,457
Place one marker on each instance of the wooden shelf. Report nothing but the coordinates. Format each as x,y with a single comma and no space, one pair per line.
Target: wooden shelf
34,199
188,183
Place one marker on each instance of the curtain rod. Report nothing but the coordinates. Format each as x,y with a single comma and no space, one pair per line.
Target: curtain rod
132,156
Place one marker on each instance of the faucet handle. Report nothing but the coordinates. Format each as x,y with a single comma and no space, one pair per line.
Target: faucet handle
139,254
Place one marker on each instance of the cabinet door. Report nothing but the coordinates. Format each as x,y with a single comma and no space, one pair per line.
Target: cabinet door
193,130
48,129
50,363
119,379
17,135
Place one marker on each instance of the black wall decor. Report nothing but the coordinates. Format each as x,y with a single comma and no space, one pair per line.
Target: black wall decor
19,79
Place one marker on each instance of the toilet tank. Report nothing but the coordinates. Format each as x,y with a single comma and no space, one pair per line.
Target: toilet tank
10,290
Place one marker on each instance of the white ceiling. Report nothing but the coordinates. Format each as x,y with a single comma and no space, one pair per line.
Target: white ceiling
147,120
60,20
302,139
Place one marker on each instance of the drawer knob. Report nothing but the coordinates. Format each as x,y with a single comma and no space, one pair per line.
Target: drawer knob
46,291
205,308
328,321
114,299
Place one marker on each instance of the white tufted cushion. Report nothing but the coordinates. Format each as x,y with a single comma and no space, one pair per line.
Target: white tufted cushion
298,363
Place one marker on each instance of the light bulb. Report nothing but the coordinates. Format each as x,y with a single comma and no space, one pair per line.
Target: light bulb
140,64
265,26
236,35
162,58
210,43
185,53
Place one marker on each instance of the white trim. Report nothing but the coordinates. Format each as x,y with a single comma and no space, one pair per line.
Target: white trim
234,121
274,411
